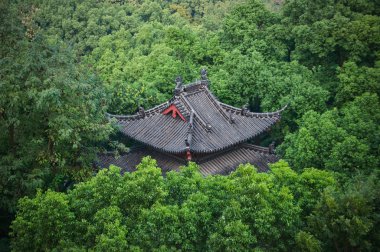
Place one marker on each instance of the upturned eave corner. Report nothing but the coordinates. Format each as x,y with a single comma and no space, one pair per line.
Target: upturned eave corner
193,125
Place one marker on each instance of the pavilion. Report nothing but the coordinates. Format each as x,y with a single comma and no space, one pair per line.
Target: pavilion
194,126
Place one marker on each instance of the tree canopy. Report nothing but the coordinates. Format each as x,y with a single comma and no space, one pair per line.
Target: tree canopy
64,64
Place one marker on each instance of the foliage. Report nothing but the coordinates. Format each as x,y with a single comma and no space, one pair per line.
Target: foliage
346,218
52,112
337,142
355,80
51,221
63,64
183,211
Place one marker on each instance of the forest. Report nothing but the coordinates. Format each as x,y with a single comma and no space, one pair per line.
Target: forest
65,64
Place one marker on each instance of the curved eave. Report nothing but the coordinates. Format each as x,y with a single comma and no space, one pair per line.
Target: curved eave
148,113
236,110
235,143
218,163
172,151
182,150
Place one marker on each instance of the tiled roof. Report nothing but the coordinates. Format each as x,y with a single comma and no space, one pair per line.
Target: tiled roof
217,163
129,161
209,125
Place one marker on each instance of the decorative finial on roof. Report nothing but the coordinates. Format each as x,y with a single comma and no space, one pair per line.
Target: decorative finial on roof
142,112
272,148
232,118
179,86
178,81
244,109
204,74
204,79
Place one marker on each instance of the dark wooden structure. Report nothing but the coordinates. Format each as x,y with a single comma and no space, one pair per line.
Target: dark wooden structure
195,126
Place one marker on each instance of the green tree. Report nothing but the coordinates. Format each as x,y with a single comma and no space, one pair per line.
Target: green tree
183,211
361,118
333,32
233,236
342,141
260,83
52,109
43,222
355,81
346,219
109,229
251,26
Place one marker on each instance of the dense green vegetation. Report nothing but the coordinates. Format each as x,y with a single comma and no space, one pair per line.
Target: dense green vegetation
63,64
142,211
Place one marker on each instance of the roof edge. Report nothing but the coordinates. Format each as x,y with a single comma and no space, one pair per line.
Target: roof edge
257,148
252,114
149,112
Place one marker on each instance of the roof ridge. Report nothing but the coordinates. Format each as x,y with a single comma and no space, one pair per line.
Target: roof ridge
182,109
205,125
252,114
229,126
137,115
215,101
189,137
195,85
256,148
259,149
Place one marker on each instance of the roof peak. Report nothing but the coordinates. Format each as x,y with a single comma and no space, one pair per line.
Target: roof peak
191,87
195,121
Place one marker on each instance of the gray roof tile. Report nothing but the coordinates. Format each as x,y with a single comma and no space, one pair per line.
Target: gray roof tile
209,164
213,129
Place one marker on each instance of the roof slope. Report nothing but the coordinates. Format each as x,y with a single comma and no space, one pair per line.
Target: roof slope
209,125
217,163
